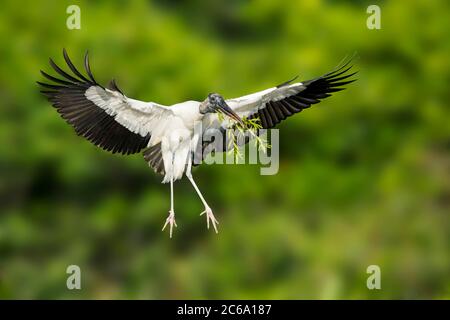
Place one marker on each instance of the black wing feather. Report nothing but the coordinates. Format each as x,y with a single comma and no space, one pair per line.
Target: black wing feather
67,95
316,89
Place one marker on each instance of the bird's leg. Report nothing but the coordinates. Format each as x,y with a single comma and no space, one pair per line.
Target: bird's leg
208,211
171,218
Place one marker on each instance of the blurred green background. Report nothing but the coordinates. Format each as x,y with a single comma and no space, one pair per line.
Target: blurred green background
364,176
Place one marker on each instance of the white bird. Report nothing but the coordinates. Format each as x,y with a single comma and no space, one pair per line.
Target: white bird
172,135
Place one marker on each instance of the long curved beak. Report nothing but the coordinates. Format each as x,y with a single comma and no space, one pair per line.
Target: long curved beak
229,112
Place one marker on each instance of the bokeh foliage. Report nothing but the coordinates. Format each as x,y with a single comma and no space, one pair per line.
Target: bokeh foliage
364,176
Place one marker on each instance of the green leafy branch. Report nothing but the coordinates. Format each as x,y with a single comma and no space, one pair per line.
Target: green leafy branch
251,126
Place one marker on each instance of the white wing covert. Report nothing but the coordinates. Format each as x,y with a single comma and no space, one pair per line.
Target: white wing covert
273,105
104,116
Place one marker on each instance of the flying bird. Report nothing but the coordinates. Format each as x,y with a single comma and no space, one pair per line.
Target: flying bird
171,136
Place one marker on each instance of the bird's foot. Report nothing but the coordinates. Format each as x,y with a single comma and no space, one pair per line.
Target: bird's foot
210,216
171,222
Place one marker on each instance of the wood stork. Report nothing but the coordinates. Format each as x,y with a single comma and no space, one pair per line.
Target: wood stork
167,134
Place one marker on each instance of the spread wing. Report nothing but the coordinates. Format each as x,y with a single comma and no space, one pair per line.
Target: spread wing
104,116
273,105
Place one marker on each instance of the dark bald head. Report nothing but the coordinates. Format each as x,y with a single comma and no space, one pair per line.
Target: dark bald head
214,103
215,99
